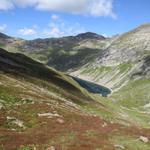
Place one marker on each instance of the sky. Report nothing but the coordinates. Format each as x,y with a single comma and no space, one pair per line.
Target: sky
30,19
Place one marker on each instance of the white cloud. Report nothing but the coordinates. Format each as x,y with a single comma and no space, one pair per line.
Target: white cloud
6,4
53,30
95,8
59,28
3,28
102,8
24,3
85,7
105,35
54,17
27,31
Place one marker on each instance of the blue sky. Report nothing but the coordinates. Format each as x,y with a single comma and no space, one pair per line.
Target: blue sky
31,19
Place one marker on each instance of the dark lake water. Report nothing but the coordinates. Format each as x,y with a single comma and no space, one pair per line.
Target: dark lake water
93,88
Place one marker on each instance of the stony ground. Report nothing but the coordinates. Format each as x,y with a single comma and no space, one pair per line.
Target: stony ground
41,126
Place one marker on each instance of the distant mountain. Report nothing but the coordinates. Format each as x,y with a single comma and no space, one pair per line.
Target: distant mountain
90,35
67,50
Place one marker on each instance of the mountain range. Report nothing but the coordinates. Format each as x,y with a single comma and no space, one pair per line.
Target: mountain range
77,92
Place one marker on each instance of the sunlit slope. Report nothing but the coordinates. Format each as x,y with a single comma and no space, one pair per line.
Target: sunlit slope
114,66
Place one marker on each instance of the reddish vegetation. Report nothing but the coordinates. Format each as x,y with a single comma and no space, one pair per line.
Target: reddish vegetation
51,132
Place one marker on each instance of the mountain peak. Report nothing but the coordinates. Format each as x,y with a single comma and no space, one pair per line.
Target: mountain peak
90,35
144,27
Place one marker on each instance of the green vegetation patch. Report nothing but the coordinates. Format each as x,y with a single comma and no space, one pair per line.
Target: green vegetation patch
6,98
136,94
24,148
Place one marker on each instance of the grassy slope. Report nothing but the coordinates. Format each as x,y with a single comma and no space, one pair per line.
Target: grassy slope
134,100
76,119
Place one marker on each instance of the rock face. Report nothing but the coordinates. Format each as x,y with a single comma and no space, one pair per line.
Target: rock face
125,56
130,46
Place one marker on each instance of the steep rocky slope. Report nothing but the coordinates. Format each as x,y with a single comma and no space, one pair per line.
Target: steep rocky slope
126,55
131,46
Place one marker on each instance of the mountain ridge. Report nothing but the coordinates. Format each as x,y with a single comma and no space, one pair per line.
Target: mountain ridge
76,55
